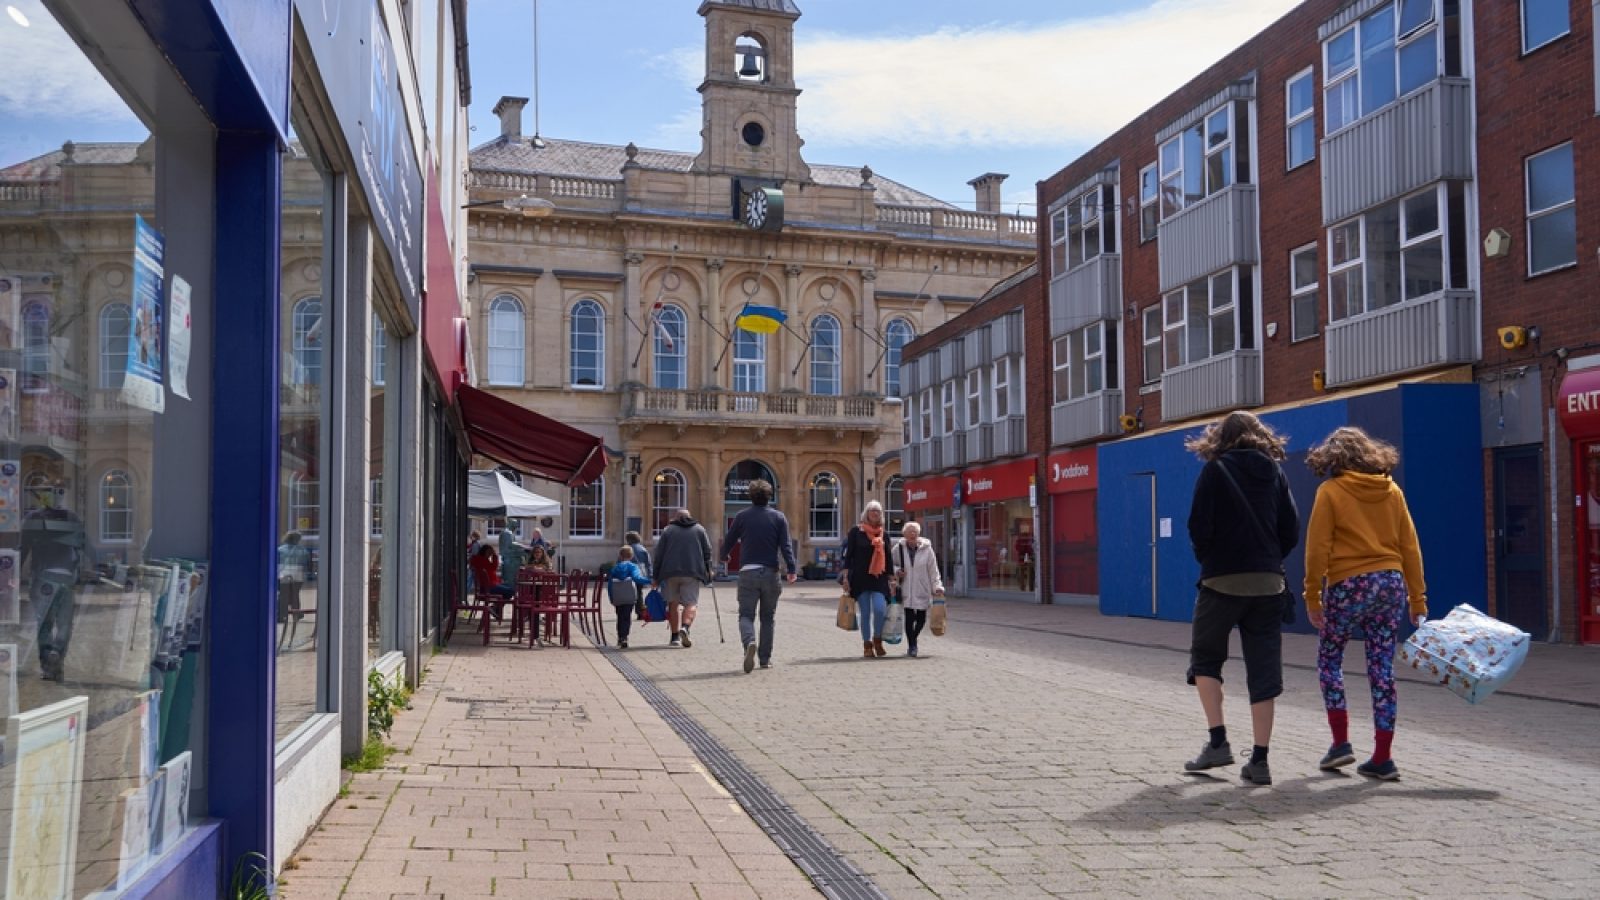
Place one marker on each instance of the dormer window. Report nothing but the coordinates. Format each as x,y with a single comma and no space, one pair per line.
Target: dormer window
750,59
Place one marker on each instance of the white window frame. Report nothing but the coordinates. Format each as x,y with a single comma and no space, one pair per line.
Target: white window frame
1430,27
506,342
1072,224
749,362
827,359
302,342
1299,290
380,350
821,483
1358,264
303,497
36,316
109,512
906,434
1522,18
1223,148
1061,368
1306,118
1414,241
592,312
114,347
668,484
1181,331
1152,338
1079,364
1000,405
1149,203
595,491
1535,214
897,334
375,497
894,500
673,321
925,407
1058,241
1174,174
974,398
948,422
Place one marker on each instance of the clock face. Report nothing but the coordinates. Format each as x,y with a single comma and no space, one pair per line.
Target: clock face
755,209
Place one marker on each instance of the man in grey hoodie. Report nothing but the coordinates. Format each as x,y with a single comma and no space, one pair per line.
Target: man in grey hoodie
682,564
762,534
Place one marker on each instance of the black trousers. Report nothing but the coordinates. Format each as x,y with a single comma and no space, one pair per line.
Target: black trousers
624,619
915,619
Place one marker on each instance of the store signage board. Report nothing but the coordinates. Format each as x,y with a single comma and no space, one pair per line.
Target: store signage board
1072,470
930,493
1008,481
358,64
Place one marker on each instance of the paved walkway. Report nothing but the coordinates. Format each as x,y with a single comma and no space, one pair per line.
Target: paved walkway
540,774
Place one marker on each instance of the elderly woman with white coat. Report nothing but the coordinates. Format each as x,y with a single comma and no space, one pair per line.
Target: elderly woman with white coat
917,571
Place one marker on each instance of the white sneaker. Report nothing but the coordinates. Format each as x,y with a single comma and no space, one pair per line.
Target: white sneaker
684,637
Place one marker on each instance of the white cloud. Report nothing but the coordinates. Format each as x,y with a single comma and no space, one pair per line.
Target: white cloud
49,76
1016,85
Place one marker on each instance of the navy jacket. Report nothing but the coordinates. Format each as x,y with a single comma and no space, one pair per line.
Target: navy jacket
1225,541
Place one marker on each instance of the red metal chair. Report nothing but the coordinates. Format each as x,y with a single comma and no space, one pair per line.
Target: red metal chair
537,593
478,605
588,603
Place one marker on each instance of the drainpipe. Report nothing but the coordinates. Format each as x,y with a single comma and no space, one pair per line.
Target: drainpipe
1555,535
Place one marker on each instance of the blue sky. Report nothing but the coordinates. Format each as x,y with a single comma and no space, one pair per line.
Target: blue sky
928,92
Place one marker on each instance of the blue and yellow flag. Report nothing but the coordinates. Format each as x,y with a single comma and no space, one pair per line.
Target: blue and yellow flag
760,319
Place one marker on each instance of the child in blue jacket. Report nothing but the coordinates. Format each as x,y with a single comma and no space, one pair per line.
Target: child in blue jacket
624,585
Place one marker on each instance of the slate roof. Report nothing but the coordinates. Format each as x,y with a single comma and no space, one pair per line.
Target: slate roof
581,159
776,6
48,166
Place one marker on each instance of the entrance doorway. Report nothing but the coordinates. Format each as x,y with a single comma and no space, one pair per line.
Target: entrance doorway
1519,540
736,496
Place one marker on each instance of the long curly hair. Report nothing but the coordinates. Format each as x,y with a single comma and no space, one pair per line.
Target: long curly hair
1237,431
1349,449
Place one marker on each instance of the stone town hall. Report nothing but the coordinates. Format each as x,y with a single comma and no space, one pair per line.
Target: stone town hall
615,311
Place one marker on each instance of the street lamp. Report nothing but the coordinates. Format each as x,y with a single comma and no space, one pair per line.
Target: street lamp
529,207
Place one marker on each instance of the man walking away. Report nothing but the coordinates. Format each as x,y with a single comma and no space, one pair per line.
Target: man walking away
682,564
761,533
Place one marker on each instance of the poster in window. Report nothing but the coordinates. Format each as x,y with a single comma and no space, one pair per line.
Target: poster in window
8,679
134,805
10,495
46,788
10,308
149,734
10,596
175,805
8,404
142,387
179,337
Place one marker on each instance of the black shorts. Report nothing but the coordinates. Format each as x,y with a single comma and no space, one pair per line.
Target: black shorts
1260,624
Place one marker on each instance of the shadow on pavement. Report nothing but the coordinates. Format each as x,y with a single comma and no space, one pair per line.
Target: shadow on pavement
1159,806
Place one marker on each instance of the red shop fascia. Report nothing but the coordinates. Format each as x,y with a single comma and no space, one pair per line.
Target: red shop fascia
1578,405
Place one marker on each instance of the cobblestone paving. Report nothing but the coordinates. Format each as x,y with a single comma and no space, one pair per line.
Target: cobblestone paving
1013,762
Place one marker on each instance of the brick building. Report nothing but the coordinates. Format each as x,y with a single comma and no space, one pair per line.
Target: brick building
1332,225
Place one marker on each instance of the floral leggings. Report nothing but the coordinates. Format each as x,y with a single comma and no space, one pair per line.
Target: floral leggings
1375,603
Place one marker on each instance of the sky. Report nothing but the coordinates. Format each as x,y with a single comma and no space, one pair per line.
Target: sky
930,93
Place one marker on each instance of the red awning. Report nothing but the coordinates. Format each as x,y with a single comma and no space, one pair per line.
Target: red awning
529,442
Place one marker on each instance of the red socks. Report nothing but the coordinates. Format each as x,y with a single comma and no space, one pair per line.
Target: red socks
1380,750
1339,721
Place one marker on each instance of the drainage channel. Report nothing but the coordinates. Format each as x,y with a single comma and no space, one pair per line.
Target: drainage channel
827,868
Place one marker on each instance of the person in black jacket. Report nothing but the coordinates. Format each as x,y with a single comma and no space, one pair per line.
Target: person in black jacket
1242,522
866,575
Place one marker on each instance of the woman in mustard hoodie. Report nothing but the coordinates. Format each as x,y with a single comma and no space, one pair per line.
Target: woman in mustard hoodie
1362,545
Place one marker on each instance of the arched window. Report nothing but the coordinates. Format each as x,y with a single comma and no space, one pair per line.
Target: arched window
825,506
380,350
116,507
511,475
671,348
588,345
894,504
35,345
825,356
304,514
749,362
505,340
586,510
669,493
305,347
114,321
896,336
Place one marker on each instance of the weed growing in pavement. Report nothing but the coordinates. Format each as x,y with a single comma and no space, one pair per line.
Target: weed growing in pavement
372,756
384,699
250,879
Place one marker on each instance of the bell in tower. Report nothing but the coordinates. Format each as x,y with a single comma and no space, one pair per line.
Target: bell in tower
748,95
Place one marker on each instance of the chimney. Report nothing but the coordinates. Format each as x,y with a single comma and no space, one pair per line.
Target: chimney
987,186
509,109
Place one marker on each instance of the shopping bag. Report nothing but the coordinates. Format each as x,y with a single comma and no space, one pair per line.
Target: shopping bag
846,617
1468,652
936,617
655,606
894,622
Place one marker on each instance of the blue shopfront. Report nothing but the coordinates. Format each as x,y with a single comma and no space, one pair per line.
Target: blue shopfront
1147,482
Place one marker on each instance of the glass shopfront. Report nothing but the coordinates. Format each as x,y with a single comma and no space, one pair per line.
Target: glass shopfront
1004,554
106,250
928,502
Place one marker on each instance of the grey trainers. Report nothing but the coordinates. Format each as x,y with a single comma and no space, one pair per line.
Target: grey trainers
1339,756
1256,772
749,657
1210,757
684,637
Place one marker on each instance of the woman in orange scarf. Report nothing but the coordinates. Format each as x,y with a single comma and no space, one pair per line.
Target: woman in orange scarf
867,577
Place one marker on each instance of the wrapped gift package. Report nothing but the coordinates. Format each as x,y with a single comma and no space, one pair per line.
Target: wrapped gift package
1467,651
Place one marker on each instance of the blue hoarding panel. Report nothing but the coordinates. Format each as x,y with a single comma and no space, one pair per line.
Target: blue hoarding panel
1442,463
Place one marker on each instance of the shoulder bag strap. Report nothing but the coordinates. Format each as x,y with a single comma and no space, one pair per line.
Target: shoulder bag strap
1261,530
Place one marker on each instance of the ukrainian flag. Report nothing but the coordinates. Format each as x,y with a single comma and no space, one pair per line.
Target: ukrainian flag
760,319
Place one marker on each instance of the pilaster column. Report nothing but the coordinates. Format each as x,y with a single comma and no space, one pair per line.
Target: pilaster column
711,343
791,307
623,369
867,318
711,508
795,499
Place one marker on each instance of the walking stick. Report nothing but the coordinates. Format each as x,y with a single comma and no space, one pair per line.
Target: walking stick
717,608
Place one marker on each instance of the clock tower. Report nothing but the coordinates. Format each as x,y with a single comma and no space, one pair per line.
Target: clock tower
748,95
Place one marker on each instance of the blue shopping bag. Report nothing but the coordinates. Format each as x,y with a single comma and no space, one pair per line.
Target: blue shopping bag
655,606
1468,652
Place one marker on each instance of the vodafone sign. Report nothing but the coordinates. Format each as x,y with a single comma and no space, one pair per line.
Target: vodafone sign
1071,470
929,493
1008,481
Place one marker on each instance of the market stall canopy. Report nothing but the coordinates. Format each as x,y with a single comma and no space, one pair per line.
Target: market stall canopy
529,442
491,494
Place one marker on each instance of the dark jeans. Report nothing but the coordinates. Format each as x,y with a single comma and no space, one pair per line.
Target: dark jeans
1260,624
624,619
915,619
758,590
